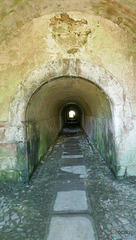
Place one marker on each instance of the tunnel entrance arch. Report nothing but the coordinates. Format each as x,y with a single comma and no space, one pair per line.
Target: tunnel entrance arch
121,112
42,116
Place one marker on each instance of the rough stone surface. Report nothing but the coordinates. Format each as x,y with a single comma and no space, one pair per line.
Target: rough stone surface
79,170
76,228
72,156
71,201
70,34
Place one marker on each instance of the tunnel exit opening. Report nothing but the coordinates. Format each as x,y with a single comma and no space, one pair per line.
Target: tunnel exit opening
71,115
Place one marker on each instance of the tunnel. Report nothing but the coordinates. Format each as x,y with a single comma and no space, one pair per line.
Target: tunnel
68,101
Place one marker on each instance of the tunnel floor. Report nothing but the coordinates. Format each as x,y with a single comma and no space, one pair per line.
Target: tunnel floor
72,195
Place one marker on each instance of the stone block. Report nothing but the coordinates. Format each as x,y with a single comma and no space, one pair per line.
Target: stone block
71,201
131,170
68,228
121,171
7,163
2,133
8,155
72,156
79,170
7,150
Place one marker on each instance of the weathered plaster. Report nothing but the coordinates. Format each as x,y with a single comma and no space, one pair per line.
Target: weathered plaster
15,14
70,34
33,45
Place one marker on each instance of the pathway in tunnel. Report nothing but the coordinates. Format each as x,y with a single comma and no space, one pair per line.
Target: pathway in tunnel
71,211
71,196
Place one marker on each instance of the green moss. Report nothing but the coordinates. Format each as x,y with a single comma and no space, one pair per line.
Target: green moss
16,2
3,152
32,147
21,157
13,176
5,14
105,142
42,148
9,176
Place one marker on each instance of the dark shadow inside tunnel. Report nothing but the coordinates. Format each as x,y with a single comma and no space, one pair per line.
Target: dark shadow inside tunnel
72,102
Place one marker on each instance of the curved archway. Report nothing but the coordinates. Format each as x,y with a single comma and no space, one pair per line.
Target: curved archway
43,112
121,112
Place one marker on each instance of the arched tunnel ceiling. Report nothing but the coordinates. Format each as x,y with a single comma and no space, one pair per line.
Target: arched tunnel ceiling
47,101
15,13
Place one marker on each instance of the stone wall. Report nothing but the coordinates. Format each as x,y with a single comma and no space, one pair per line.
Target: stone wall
40,136
101,131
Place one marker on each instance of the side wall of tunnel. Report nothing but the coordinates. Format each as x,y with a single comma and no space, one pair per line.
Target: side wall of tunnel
121,112
101,131
41,133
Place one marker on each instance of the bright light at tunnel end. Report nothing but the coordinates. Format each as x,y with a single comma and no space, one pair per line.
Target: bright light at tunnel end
72,114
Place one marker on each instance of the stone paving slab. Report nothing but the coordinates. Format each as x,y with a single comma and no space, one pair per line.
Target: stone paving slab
72,156
71,228
71,152
73,148
80,169
69,186
72,162
71,201
73,145
65,176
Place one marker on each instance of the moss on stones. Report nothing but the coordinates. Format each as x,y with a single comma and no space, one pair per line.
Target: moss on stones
13,176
